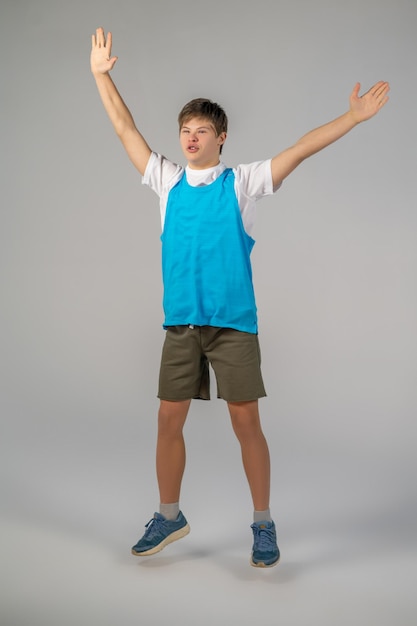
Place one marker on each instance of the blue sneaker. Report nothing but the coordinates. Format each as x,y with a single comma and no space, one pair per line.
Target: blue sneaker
265,552
159,533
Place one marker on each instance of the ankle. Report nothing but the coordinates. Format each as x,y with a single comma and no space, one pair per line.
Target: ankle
262,516
169,511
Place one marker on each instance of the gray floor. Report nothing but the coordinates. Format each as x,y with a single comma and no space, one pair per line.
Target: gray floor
345,560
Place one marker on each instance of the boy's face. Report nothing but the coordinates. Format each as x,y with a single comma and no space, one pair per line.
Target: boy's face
200,144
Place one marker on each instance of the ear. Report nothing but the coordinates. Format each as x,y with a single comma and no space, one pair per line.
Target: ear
221,138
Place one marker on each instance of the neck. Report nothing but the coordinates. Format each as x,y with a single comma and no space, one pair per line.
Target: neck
205,166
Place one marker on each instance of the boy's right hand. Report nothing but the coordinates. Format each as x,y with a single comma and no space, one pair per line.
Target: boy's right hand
101,60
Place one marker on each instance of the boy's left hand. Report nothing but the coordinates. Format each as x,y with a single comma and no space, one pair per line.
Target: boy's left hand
364,107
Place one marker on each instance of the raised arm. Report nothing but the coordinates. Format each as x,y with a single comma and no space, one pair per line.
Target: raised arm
101,64
361,109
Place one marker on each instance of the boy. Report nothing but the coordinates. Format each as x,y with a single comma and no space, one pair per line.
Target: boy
210,311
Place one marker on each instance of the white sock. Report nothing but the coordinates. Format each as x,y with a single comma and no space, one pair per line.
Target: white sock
262,516
170,511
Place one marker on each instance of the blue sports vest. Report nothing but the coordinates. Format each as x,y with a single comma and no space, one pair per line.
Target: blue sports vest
206,267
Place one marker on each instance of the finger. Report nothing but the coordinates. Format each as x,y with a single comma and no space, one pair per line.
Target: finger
100,37
377,87
383,90
383,102
93,41
355,91
109,43
381,95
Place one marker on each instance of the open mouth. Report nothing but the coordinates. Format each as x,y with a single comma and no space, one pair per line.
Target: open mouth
192,148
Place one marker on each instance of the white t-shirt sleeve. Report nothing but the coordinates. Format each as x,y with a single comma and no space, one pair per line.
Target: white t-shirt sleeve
161,173
160,176
253,181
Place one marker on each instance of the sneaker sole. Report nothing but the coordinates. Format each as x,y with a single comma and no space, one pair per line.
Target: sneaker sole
264,565
178,534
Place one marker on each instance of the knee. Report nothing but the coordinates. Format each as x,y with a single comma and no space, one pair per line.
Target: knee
245,420
171,418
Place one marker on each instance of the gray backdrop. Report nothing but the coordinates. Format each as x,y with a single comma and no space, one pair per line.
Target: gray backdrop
80,331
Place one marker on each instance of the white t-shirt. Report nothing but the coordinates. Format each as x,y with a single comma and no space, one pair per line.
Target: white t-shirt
252,182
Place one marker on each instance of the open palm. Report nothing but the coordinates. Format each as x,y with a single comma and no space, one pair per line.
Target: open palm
101,59
366,106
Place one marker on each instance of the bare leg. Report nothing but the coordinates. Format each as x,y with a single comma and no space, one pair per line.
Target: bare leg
255,454
170,449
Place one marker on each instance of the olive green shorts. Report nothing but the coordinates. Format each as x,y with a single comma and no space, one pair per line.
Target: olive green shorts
234,356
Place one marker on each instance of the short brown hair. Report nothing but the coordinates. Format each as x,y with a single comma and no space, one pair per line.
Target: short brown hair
211,111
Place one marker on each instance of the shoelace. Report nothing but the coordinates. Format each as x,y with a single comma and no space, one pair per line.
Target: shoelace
153,526
264,539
